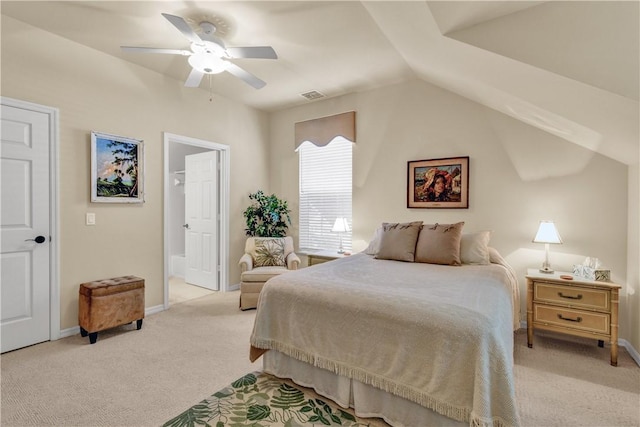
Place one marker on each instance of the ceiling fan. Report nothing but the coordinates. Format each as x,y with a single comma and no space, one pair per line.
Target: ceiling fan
208,54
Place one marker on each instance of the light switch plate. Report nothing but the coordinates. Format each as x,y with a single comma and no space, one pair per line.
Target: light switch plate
91,219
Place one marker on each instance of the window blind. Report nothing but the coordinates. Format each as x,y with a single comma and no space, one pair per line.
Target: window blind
325,194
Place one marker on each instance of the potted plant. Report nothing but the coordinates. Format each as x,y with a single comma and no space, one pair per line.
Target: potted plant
267,216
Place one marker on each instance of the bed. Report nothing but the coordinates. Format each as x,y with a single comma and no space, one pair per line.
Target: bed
412,343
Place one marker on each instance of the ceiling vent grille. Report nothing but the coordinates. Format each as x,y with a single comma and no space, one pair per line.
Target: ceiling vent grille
314,94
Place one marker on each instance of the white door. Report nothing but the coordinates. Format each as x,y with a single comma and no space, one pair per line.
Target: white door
24,222
201,219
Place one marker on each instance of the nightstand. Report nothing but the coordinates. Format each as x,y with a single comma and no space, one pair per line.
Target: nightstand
579,307
318,257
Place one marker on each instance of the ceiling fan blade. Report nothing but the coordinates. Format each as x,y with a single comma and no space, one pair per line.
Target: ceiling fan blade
155,50
245,76
257,52
183,27
194,79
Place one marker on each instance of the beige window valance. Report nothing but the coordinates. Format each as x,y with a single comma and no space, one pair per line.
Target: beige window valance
323,130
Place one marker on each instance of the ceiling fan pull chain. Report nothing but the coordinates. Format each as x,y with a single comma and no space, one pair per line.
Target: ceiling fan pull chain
210,90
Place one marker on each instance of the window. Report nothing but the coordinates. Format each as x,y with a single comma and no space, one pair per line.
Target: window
325,193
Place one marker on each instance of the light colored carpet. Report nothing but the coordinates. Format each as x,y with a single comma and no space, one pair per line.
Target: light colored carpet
184,354
130,377
568,381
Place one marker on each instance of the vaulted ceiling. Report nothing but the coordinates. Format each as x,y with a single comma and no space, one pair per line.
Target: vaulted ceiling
567,68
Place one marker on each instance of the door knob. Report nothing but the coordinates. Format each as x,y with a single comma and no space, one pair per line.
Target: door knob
186,226
39,239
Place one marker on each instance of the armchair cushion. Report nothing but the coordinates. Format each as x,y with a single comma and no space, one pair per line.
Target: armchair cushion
262,274
269,252
265,251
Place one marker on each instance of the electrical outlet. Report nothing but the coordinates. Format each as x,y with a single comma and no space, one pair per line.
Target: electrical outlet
91,219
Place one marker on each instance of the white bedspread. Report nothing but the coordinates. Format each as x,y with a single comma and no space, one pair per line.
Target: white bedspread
436,335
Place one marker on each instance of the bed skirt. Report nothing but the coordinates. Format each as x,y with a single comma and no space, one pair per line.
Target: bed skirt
367,401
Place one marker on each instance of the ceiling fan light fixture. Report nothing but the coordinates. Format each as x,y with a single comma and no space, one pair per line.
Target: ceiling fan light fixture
207,63
208,53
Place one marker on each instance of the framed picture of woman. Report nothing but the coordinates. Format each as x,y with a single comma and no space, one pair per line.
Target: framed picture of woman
438,183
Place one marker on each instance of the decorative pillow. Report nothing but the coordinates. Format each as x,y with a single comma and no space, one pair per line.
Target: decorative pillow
440,244
374,244
269,252
474,248
398,241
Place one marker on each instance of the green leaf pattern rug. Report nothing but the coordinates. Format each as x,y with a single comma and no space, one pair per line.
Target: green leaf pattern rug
261,400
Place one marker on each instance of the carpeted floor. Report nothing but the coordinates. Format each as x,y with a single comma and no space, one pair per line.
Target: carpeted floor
568,381
183,355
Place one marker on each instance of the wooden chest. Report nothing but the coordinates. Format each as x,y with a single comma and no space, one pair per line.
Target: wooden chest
108,303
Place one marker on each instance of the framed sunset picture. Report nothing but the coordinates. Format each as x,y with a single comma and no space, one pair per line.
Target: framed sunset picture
117,169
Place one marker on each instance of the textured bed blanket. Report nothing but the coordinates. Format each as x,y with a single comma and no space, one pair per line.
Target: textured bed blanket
437,335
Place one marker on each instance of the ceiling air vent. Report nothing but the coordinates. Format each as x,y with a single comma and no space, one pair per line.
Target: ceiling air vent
314,94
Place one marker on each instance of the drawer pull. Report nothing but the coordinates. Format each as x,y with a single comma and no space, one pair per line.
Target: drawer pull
561,295
561,317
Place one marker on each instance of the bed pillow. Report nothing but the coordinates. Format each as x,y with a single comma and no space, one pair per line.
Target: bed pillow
374,244
398,241
269,252
474,248
439,244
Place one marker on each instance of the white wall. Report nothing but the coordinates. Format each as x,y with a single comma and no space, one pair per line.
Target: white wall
518,175
95,91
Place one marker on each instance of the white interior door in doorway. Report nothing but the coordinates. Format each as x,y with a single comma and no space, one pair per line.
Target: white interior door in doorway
201,217
25,280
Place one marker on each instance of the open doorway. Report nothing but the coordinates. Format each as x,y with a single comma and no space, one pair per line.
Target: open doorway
179,258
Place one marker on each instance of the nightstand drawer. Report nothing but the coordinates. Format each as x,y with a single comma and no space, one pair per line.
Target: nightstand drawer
313,260
575,319
595,299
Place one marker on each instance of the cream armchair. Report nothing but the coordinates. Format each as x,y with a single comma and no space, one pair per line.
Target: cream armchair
264,258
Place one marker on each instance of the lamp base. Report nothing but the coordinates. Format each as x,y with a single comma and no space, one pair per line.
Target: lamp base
546,265
340,248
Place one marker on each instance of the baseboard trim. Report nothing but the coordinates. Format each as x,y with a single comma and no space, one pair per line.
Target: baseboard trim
75,330
631,350
235,287
153,310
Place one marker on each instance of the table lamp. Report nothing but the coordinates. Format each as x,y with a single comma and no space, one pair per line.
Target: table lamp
547,233
340,226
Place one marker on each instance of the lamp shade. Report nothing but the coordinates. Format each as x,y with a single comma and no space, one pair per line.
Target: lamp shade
340,226
547,233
